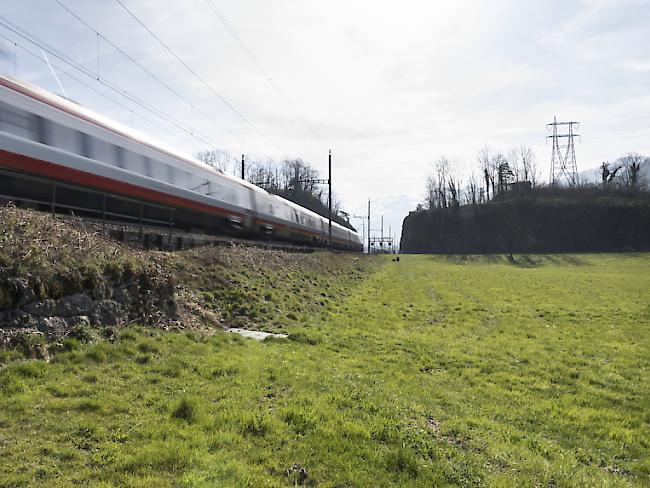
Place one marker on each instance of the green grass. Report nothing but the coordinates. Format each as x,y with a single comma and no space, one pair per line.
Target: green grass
432,371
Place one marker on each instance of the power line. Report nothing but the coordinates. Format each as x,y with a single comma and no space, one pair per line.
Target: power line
196,75
222,18
146,70
83,83
44,46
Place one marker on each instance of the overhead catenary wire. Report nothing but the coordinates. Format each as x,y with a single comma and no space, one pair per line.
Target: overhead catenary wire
148,71
44,46
92,88
222,18
196,75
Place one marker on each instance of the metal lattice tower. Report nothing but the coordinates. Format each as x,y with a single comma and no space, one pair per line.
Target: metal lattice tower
563,163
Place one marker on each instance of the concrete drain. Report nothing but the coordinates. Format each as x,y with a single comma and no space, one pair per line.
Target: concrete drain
256,334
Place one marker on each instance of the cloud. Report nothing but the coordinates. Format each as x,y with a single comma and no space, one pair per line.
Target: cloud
389,87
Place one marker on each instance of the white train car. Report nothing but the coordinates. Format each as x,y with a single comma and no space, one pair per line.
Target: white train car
56,153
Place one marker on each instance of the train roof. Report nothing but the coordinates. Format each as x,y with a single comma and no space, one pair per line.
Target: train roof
77,110
73,108
311,212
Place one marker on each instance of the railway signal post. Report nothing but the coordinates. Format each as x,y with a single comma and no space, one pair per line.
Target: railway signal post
242,167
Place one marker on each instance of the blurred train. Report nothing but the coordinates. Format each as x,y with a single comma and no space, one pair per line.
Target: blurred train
58,155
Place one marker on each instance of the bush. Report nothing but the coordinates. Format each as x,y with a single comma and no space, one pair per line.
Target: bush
256,425
186,409
10,383
147,347
30,369
403,461
301,422
302,338
81,333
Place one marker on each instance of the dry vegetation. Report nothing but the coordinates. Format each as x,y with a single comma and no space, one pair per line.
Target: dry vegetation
45,258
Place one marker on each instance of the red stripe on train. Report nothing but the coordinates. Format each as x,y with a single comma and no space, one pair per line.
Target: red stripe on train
64,174
26,164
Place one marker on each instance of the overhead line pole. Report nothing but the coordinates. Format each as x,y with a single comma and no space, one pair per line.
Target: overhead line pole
242,167
329,197
368,225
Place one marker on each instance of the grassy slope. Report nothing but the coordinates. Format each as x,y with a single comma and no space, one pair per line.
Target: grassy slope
432,370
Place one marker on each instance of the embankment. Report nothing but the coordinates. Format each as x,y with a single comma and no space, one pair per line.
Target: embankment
530,225
64,279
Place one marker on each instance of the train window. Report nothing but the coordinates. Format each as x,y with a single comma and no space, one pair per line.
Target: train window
184,179
157,170
194,182
102,151
135,163
171,174
148,167
62,137
41,129
16,121
84,143
120,156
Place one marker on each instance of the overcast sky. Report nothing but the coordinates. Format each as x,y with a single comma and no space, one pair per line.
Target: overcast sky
388,86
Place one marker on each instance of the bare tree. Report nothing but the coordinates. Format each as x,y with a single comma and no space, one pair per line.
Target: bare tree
431,192
487,170
515,165
528,165
454,185
607,174
216,158
297,175
472,195
441,186
503,172
442,173
604,173
632,163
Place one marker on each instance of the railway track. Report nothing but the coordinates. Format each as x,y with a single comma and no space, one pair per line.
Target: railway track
164,238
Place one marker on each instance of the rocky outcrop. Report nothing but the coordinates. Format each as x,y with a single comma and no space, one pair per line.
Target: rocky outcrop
108,303
530,225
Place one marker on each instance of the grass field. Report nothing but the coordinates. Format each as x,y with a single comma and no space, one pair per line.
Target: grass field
431,371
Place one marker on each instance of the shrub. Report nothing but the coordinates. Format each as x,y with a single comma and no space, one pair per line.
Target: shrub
96,354
30,369
85,437
128,335
224,371
88,406
186,409
256,425
69,344
301,422
148,347
10,383
402,461
302,338
143,359
81,333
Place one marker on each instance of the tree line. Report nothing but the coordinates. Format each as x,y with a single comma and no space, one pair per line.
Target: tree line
293,179
496,173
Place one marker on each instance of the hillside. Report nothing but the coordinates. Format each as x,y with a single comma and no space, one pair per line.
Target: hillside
62,278
546,220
